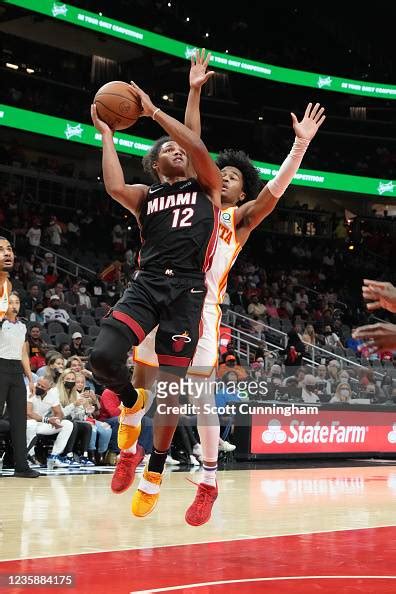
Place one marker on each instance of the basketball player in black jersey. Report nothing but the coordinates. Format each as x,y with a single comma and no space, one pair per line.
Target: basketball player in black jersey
178,219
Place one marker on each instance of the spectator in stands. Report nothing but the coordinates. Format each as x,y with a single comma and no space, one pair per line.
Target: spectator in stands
84,298
59,291
54,313
36,347
295,351
263,352
333,370
77,365
230,351
45,417
285,310
54,232
101,431
331,339
343,394
354,343
72,297
97,287
272,310
65,351
309,335
48,262
366,376
119,236
38,276
50,277
110,406
76,346
34,297
256,308
309,389
72,404
301,295
34,234
239,301
37,314
53,368
230,364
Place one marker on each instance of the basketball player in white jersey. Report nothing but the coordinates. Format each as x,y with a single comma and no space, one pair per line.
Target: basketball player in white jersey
236,223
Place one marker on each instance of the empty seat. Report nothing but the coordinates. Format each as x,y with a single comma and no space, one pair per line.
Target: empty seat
93,331
54,328
88,321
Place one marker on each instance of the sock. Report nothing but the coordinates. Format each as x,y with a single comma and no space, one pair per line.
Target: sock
128,396
132,449
157,461
70,455
209,475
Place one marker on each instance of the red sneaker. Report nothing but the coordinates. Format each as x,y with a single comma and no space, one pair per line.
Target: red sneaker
125,470
200,510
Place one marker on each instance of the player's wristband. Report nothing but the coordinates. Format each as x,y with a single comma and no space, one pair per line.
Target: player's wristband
154,112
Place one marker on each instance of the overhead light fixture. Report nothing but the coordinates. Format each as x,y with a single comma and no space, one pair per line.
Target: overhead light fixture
100,14
169,4
188,19
206,34
261,118
12,66
30,70
226,51
165,97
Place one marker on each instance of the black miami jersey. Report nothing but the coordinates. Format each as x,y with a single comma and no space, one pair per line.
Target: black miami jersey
178,228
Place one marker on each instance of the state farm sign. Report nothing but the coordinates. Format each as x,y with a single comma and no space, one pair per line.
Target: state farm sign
327,432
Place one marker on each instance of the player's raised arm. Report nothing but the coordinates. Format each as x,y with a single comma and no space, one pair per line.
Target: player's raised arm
198,77
208,174
129,196
252,213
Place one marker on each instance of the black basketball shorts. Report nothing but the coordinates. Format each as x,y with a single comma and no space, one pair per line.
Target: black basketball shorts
171,300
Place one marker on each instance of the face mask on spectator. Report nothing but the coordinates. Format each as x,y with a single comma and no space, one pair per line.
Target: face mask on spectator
40,391
344,393
37,270
70,385
57,372
83,290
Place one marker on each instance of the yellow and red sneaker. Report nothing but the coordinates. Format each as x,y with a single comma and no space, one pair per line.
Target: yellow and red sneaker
124,473
146,497
128,433
200,510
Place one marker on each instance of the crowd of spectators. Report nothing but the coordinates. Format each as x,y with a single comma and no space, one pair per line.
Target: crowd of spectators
296,300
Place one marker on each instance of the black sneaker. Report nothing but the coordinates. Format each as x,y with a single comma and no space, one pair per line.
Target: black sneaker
28,473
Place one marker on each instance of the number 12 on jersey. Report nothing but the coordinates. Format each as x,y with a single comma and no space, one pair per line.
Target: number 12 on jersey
181,218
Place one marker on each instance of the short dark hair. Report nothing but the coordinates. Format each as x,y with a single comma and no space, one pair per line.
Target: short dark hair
152,156
240,160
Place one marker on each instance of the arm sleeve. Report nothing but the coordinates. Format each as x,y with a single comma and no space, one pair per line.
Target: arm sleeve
289,168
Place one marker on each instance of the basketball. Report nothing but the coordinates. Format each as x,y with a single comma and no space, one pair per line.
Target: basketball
117,105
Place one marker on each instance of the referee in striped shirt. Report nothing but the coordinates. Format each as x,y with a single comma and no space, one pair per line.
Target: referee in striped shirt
14,364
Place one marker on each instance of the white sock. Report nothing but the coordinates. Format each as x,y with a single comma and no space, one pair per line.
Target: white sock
209,475
132,449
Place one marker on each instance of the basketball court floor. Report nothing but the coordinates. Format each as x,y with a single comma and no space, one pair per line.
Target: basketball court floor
274,530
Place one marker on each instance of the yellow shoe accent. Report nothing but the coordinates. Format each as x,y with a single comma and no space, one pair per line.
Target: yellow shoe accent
143,502
129,434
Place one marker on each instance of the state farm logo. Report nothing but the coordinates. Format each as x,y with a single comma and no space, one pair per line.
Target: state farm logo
299,432
392,435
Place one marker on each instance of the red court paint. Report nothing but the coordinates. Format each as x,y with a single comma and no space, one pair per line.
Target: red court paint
366,552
